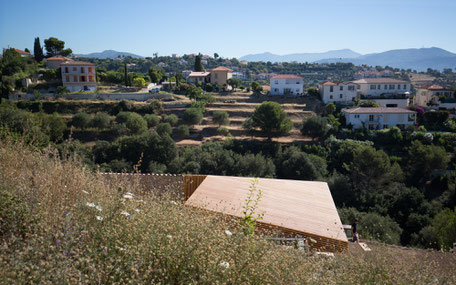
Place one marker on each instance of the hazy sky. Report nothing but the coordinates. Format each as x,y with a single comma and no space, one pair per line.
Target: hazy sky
231,28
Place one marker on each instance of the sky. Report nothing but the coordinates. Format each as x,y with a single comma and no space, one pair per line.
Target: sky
232,28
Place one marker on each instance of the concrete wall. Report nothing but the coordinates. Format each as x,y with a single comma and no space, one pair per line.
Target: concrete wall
380,121
344,96
400,103
119,96
365,89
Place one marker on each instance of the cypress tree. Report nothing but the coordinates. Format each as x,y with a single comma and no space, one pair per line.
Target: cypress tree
198,64
125,75
38,50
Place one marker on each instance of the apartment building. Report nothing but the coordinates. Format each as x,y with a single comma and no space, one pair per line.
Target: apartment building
79,75
286,84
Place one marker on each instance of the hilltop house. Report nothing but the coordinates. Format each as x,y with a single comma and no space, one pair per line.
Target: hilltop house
220,75
79,75
55,61
430,95
287,84
340,92
375,87
195,77
22,53
379,118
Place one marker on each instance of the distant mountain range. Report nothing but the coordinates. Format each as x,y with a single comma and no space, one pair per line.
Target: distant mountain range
417,59
301,57
109,54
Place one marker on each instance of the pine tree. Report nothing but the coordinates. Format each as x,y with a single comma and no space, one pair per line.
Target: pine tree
198,64
38,50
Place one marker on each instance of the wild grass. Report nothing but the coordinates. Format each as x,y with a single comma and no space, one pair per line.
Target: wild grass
61,223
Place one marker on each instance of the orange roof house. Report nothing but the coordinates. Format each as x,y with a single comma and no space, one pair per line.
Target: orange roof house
292,207
55,61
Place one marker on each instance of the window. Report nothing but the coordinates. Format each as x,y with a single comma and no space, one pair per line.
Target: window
330,96
297,90
215,75
357,116
67,78
385,87
90,69
391,105
379,87
276,89
83,79
341,88
371,118
66,69
398,86
391,86
331,89
74,68
82,69
297,82
75,78
276,82
91,78
341,96
405,86
351,88
358,87
373,87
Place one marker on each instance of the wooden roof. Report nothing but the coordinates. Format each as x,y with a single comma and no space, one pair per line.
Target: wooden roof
304,207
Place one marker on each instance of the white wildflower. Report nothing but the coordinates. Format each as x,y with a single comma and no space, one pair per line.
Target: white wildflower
100,218
225,264
90,204
137,210
169,236
99,208
228,233
126,214
85,192
174,202
128,196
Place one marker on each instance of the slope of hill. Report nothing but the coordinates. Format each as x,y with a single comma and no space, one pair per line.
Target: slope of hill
418,59
301,57
109,54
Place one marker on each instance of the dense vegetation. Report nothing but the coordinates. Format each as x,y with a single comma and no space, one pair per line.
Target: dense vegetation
61,223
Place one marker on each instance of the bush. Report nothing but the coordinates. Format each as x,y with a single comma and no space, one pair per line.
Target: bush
62,90
223,131
271,119
182,131
54,126
101,121
81,120
193,116
122,117
369,104
139,82
152,120
315,127
155,167
220,118
164,128
136,124
171,119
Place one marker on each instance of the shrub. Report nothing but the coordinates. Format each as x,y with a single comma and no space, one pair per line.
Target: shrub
139,82
220,118
155,167
81,120
54,126
223,131
164,128
101,121
369,104
136,124
271,119
171,119
182,131
122,117
315,127
62,90
152,120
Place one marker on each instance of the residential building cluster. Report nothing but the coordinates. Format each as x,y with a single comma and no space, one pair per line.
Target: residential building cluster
217,76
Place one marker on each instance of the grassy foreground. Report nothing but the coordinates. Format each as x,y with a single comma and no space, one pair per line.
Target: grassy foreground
60,223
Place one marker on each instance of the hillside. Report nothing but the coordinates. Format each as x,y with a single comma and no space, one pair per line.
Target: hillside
300,57
62,223
109,54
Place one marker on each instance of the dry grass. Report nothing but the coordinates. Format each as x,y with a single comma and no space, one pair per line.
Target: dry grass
143,238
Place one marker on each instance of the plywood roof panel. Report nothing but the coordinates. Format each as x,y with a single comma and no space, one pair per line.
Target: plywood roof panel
303,206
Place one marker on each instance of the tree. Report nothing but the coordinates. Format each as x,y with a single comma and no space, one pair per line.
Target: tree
66,52
220,118
315,127
164,128
444,225
182,131
54,126
369,104
136,124
198,65
38,50
195,93
101,121
139,82
62,90
271,119
193,116
126,75
50,75
216,55
234,83
312,91
330,108
256,87
12,62
53,46
156,74
81,120
152,120
295,164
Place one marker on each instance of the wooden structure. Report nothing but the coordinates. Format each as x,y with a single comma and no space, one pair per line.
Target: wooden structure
293,207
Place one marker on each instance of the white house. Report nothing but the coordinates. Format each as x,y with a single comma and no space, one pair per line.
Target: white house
339,92
79,75
381,86
379,118
430,95
287,84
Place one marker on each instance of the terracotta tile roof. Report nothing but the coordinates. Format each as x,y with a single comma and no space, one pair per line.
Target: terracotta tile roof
329,83
59,57
378,110
380,81
21,51
286,76
435,87
198,74
221,68
71,63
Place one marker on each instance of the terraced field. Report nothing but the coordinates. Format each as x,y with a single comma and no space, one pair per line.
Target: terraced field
240,107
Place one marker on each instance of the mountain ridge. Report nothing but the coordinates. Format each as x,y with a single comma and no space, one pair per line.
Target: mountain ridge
108,54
